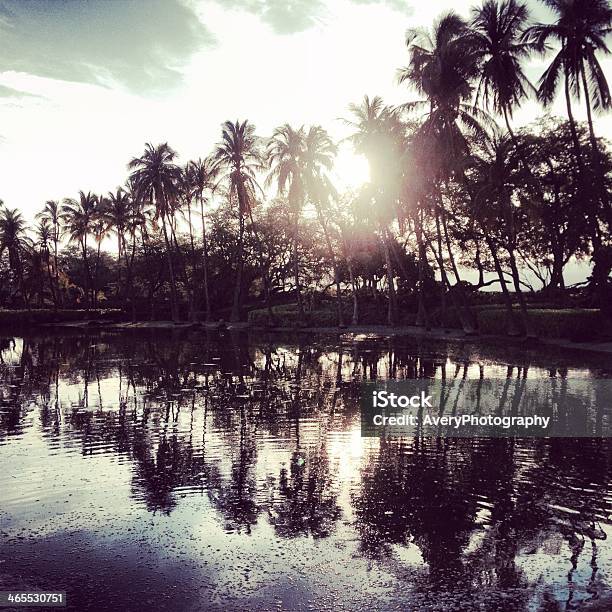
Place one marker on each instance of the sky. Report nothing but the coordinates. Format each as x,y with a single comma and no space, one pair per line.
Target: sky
83,85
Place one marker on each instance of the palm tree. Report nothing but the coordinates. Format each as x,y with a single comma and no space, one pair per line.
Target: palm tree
443,65
51,213
202,178
238,157
285,155
580,30
375,126
100,229
13,239
117,215
497,30
136,219
44,236
78,217
319,154
155,177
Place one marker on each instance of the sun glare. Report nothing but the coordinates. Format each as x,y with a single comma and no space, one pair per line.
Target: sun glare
351,169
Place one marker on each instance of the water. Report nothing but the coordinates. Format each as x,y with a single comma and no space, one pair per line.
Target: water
196,472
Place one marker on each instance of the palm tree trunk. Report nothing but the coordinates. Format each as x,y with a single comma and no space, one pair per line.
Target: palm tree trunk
183,271
572,123
205,261
598,280
330,251
296,268
50,277
20,280
264,266
511,325
129,261
194,270
443,277
529,331
392,307
119,239
235,316
87,274
465,312
55,241
96,271
173,302
355,317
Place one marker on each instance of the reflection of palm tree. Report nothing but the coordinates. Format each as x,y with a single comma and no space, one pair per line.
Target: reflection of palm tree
307,504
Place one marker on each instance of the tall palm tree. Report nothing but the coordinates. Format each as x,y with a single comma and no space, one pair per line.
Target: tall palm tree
319,154
155,176
443,66
116,214
374,136
100,229
13,239
238,157
78,217
138,215
189,272
44,236
202,178
580,29
285,155
497,30
51,212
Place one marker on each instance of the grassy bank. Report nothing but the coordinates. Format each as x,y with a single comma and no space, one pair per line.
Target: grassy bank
9,318
576,324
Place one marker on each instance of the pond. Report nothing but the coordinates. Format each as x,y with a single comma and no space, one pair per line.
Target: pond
206,471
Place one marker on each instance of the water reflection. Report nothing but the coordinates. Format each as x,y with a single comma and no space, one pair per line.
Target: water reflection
257,440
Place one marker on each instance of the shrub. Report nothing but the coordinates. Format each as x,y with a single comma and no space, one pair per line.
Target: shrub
576,324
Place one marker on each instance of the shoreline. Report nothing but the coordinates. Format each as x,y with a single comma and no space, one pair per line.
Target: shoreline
377,331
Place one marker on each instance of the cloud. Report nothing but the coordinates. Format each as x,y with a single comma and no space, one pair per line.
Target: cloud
292,16
284,16
401,6
15,94
140,45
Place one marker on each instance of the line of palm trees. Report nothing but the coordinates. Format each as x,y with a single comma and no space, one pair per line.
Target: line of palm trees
440,167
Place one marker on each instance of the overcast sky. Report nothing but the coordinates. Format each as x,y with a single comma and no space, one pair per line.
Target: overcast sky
84,85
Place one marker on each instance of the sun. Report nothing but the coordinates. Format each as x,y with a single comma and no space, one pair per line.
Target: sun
351,170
